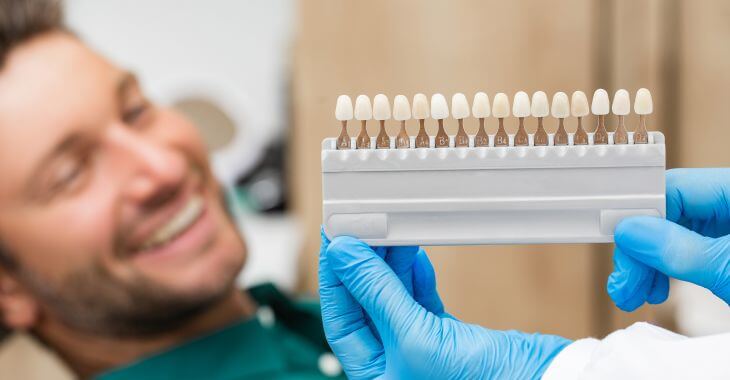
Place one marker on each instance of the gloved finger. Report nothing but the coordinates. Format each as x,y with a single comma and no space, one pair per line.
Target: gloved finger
374,285
424,285
677,252
400,260
698,199
351,339
630,282
659,290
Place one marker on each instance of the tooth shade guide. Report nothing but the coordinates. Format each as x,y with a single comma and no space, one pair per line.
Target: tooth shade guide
343,141
541,136
481,138
403,141
461,139
422,139
600,137
621,136
442,139
501,138
363,140
641,136
383,140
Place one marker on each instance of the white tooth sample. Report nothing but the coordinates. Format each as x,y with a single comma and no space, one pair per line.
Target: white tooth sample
363,109
642,103
401,108
480,107
420,107
439,107
459,106
579,104
381,107
540,106
500,106
621,103
600,104
561,107
343,110
521,105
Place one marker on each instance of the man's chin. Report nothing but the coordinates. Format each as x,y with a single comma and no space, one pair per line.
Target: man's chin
210,271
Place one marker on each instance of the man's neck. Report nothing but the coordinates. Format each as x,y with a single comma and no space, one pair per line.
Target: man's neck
88,355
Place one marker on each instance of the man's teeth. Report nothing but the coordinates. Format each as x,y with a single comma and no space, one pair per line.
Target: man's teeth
177,224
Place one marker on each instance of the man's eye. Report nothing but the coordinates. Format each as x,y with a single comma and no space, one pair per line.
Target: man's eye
134,114
68,174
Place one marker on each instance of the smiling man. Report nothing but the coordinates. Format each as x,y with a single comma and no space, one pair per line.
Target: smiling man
116,249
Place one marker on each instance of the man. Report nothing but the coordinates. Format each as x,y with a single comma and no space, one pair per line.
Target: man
116,249
384,318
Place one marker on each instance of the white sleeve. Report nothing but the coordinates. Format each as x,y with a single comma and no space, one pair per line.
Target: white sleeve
644,351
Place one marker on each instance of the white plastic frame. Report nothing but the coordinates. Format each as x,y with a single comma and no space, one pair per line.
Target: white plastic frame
490,195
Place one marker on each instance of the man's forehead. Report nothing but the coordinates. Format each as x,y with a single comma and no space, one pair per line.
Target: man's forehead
49,87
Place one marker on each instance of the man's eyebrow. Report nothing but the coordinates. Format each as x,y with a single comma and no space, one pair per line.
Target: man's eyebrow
126,81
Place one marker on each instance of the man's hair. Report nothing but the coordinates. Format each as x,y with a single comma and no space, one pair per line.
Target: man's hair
21,20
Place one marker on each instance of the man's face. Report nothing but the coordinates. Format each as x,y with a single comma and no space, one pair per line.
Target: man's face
106,201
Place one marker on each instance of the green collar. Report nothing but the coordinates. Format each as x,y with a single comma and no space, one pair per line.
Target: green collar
244,350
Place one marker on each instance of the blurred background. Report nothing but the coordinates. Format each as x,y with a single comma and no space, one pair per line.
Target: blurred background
260,77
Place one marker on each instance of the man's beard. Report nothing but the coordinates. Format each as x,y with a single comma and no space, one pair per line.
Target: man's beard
95,302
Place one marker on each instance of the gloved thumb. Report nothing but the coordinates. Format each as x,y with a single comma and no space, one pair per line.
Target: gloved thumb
677,252
374,285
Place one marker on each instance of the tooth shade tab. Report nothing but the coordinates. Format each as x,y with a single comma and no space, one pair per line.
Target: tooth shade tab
420,107
439,107
642,103
561,106
600,104
480,106
579,104
401,108
500,105
540,107
343,110
621,103
521,105
459,106
363,109
381,107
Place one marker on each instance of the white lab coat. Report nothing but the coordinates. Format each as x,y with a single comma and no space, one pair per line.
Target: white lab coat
644,351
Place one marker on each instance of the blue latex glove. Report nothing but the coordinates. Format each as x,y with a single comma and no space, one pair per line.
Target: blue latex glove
692,244
384,319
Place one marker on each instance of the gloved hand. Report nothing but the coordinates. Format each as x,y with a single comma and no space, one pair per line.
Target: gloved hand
384,319
692,244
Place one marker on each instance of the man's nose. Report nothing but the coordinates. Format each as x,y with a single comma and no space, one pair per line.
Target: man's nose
155,169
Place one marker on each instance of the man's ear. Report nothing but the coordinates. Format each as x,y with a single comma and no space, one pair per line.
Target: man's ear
18,309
